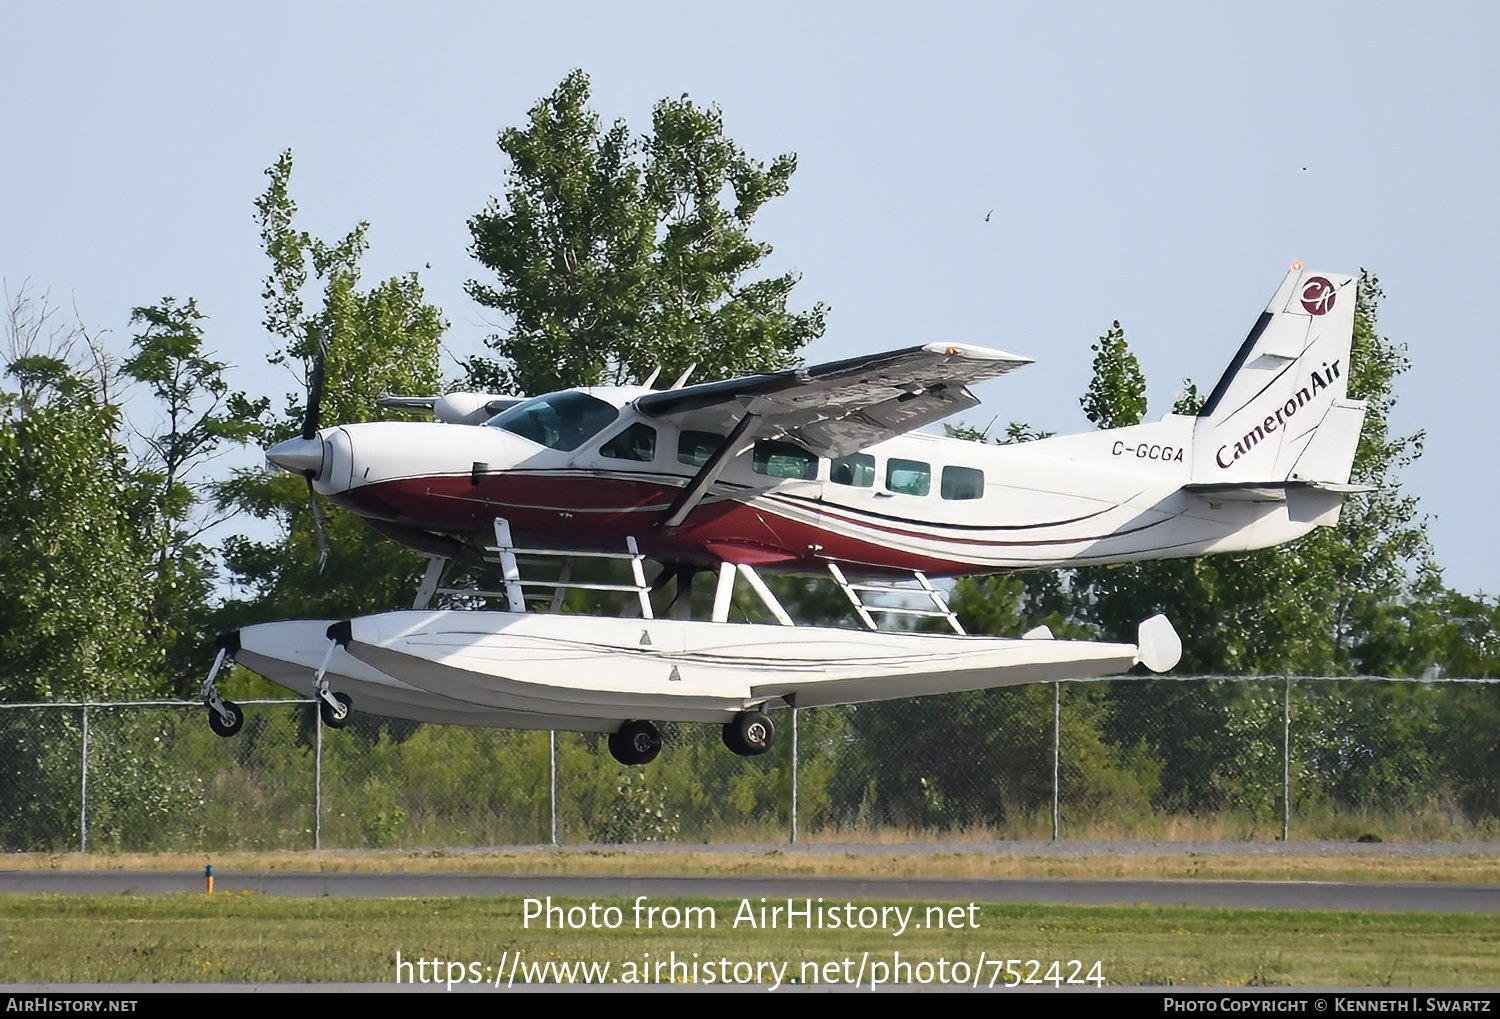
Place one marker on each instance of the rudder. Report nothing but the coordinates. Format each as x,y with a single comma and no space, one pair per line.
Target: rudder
1281,412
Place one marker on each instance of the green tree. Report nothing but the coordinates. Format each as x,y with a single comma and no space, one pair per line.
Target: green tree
1294,608
1380,552
1316,606
74,602
1117,392
198,415
614,255
1189,401
374,341
1355,598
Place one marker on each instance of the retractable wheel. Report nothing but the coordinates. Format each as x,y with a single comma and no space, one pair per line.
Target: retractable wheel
750,734
636,742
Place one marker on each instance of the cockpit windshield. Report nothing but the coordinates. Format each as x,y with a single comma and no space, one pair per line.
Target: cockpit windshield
562,421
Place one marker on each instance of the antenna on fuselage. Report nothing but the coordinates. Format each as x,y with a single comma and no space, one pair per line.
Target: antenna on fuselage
651,378
682,379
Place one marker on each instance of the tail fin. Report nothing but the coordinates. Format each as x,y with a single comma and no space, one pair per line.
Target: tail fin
1281,412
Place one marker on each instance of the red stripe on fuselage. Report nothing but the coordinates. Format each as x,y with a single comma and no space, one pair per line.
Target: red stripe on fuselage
571,510
598,513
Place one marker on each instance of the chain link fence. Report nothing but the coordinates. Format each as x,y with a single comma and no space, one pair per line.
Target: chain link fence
1165,759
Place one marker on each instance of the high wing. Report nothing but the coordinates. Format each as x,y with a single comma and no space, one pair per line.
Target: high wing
837,408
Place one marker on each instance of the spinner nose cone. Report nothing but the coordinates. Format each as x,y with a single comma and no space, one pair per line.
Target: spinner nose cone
300,456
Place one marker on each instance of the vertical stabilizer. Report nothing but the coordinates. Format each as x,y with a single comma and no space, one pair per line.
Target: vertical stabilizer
1281,412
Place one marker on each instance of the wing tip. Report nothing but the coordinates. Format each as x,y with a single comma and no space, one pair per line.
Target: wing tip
972,352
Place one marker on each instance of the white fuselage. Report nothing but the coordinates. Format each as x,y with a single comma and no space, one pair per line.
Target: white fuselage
945,506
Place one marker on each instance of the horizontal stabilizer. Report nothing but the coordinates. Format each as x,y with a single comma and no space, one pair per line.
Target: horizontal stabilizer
1334,486
1271,491
1240,493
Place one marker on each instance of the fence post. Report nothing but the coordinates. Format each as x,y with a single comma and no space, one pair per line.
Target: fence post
552,768
794,774
318,779
1286,763
83,788
1056,760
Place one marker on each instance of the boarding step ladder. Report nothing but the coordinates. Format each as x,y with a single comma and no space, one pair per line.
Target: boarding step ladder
867,612
516,593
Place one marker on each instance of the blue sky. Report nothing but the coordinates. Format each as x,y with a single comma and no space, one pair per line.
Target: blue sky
1160,164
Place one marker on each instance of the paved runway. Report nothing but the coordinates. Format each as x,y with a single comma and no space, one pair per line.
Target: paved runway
1381,896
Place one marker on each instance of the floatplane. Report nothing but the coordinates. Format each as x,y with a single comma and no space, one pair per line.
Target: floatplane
817,470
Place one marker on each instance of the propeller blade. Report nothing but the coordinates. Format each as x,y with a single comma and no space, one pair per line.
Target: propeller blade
322,537
314,398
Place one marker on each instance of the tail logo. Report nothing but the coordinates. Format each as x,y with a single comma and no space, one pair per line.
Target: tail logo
1278,419
1318,296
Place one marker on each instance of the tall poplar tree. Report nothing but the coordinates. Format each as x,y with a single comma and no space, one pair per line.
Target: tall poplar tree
1117,393
374,341
613,255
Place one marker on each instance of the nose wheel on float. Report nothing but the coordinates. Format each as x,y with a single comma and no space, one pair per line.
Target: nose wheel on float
226,718
334,709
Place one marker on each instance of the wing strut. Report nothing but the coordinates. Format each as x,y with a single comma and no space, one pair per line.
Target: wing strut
697,488
727,574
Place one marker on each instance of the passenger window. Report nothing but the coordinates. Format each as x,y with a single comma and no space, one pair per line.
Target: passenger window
778,459
857,469
694,448
962,483
638,442
908,477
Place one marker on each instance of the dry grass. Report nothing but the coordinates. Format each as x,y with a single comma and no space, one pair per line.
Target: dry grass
1269,861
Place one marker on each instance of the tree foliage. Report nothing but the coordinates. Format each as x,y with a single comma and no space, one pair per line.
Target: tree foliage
1117,393
74,602
198,416
374,341
1297,608
1362,597
614,255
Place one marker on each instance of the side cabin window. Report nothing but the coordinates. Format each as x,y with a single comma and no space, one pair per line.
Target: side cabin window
856,469
962,483
908,477
777,459
694,448
561,421
638,442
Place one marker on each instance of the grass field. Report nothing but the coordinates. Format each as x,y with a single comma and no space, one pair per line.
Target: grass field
244,937
254,938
